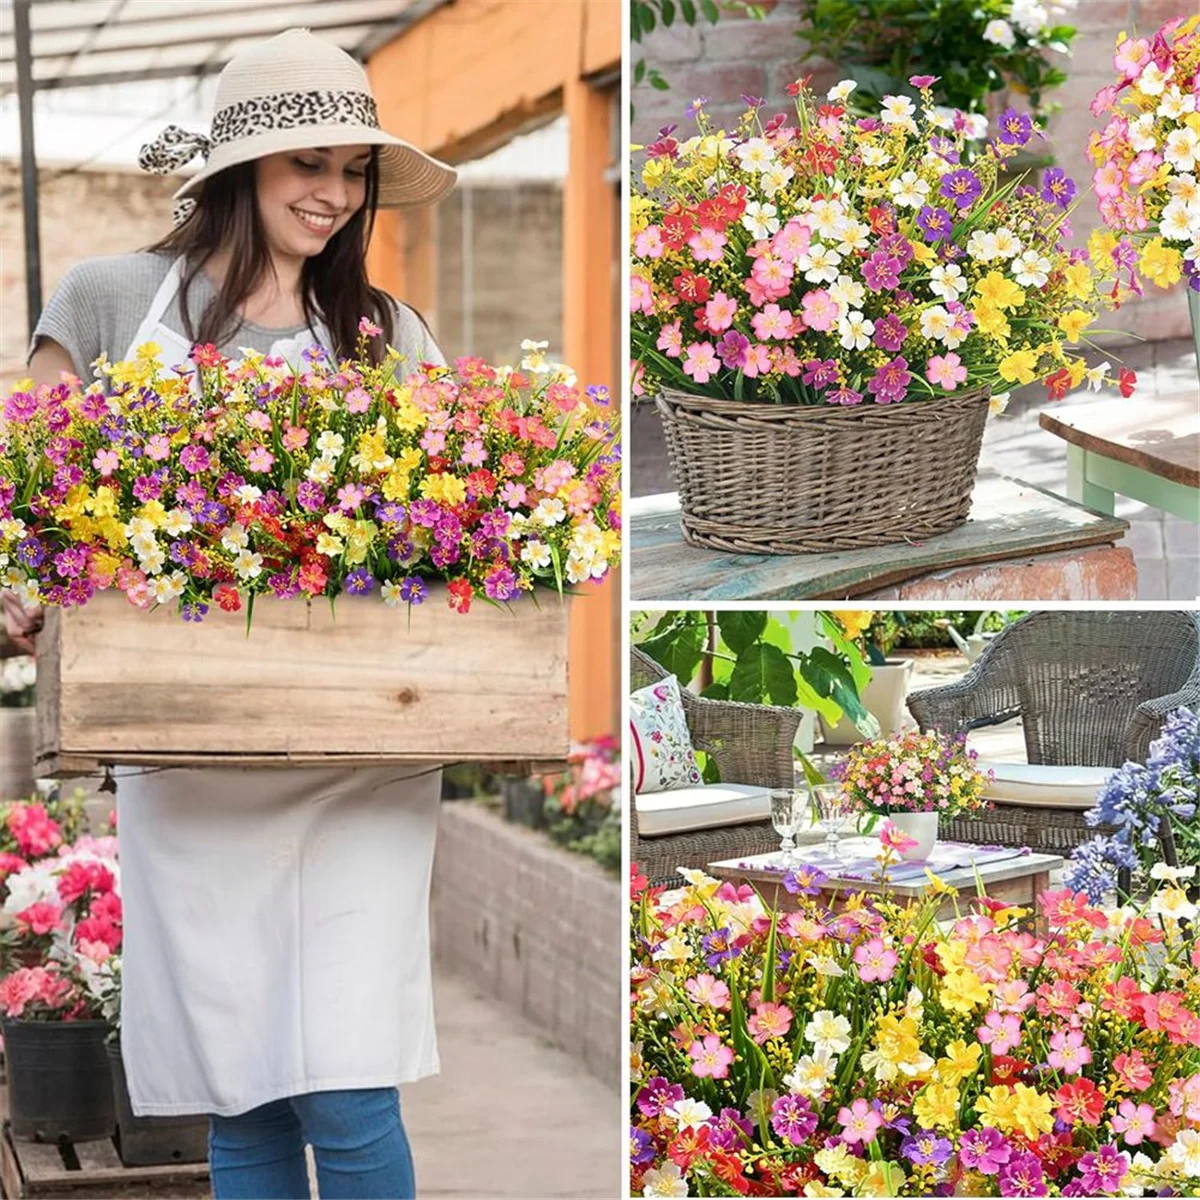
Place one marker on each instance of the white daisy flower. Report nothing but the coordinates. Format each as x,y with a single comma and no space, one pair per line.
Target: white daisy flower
1152,81
855,331
331,444
999,33
1008,245
897,110
875,156
910,190
235,537
826,218
755,155
760,220
852,236
1179,222
1182,150
841,90
819,263
1031,269
1175,104
982,246
936,323
849,292
947,281
536,554
776,178
1141,133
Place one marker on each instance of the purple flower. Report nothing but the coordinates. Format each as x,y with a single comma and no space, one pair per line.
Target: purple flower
897,246
944,148
820,374
31,553
285,585
716,947
191,493
1101,1171
390,512
1022,1176
793,1119
214,513
20,408
695,106
804,881
424,512
752,101
732,349
148,487
881,272
925,1147
444,555
501,584
1058,187
310,496
359,581
93,407
657,1096
961,186
195,610
935,223
641,1146
890,383
843,395
194,459
495,523
730,1130
890,333
1015,127
71,562
413,589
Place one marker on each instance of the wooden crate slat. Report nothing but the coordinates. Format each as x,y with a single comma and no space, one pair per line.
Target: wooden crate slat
39,1161
97,1156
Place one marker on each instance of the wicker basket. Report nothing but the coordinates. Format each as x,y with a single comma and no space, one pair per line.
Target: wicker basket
760,478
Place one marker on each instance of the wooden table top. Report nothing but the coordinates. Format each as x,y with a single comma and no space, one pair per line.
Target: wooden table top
1009,519
1160,434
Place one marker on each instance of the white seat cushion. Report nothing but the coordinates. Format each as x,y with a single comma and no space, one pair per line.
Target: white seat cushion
708,806
1044,786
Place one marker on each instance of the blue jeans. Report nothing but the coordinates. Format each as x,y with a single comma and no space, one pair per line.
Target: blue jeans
359,1146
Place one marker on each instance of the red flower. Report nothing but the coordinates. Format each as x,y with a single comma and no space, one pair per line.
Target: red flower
1127,381
1058,384
733,196
1079,1103
711,213
881,219
688,1145
823,158
793,89
206,355
438,464
728,1168
677,227
481,483
691,287
637,882
82,877
460,595
107,907
227,597
1008,1070
1056,1152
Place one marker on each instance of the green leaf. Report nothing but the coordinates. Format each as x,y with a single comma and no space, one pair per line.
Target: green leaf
678,652
639,70
763,675
710,10
716,691
768,983
741,629
658,82
687,10
830,677
667,13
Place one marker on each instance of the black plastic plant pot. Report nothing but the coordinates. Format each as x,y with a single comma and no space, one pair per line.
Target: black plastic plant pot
153,1141
59,1085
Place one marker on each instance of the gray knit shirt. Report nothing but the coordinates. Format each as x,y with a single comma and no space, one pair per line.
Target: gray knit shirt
101,302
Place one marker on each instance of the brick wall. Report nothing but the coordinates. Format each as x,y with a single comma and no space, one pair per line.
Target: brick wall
759,57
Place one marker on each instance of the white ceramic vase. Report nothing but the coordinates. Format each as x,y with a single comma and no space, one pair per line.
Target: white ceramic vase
883,698
921,826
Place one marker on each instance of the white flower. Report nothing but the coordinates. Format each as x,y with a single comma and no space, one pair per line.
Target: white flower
1161,870
819,263
977,126
848,292
852,236
528,345
897,110
1179,221
320,471
581,568
1173,902
840,91
1184,187
936,322
775,178
235,537
855,331
1152,81
825,964
982,245
910,190
947,281
1184,1153
755,155
1141,133
1029,17
1182,150
825,217
1174,103
1008,245
248,565
248,493
178,522
139,527
666,1180
1096,375
673,949
390,592
875,156
999,33
12,527
1031,269
941,117
828,1030
998,403
28,592
760,220
536,554
153,562
32,885
549,511
331,444
166,588
689,1113
812,1073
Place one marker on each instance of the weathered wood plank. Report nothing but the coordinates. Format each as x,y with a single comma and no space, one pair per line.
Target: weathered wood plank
119,685
1161,436
1009,519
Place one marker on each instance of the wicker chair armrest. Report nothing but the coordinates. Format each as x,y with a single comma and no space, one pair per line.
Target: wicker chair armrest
1150,714
752,743
967,704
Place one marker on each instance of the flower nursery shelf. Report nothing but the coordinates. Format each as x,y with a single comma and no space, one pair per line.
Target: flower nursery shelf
360,684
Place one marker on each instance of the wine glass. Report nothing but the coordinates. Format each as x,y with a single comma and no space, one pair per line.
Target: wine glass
785,817
834,810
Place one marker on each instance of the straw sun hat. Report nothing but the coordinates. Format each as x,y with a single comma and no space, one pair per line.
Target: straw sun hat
291,92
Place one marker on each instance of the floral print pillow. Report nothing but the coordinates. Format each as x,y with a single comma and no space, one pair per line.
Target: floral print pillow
662,746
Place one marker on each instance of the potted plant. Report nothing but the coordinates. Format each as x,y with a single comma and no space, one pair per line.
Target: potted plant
18,674
1147,161
578,806
827,309
913,779
883,695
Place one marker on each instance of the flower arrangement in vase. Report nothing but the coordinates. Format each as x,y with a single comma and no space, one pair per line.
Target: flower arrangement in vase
914,779
832,294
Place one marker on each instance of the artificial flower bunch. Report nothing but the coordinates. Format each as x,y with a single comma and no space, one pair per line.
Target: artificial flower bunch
874,1051
255,477
1147,157
913,772
1135,802
841,259
32,828
62,922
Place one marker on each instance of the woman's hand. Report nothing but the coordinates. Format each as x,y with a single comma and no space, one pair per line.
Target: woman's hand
20,623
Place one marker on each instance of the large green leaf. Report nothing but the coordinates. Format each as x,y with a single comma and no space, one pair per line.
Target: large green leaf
763,675
679,648
741,629
830,677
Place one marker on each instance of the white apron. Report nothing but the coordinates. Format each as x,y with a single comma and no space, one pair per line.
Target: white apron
276,920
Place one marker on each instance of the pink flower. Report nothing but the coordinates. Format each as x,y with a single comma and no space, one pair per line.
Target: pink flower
106,461
641,295
1102,101
1131,57
712,1058
791,241
876,961
769,1021
860,1122
773,322
670,340
371,330
708,989
701,362
923,81
1134,1121
158,447
649,243
707,245
1067,1051
946,371
719,312
758,361
18,990
1000,1031
259,458
295,437
894,838
40,919
821,310
1133,1071
358,400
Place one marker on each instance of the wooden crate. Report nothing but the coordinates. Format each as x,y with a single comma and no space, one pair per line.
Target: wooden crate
361,684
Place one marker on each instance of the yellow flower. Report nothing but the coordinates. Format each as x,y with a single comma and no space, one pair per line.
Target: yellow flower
1018,367
327,543
923,253
995,289
1161,264
103,503
639,213
407,416
855,622
104,567
1078,369
1074,323
1034,1112
882,1179
446,489
841,1164
655,171
997,1107
990,320
395,485
1101,244
813,1188
937,1106
960,1061
1077,279
963,991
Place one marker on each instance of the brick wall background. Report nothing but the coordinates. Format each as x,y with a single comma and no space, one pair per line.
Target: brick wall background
741,55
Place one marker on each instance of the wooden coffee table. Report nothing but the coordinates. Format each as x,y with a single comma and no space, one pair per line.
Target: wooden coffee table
1018,880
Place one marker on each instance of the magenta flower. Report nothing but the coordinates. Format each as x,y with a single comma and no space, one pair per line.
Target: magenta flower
881,272
984,1150
194,459
843,395
860,1122
368,327
1101,1171
1022,1176
20,408
734,347
711,1058
923,81
658,1095
793,1119
820,373
890,383
890,333
876,961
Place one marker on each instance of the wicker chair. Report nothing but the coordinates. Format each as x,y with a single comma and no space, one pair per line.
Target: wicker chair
752,744
1091,689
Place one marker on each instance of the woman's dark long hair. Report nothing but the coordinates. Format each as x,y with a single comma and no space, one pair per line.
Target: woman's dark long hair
333,283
